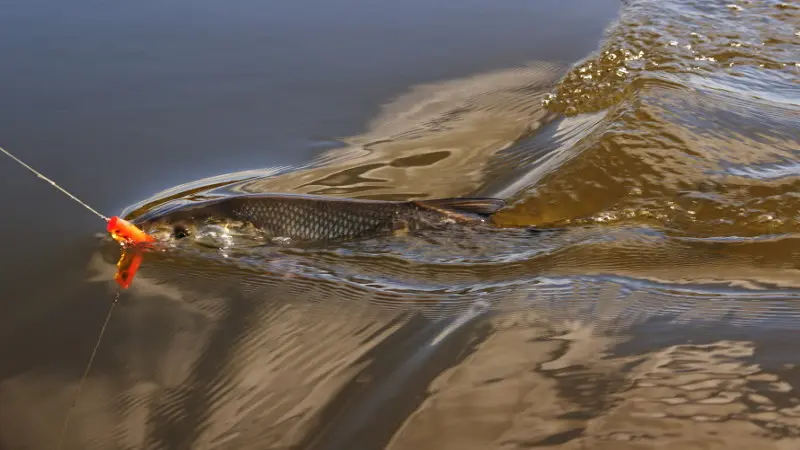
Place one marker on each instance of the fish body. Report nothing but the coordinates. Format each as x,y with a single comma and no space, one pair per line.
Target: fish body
308,218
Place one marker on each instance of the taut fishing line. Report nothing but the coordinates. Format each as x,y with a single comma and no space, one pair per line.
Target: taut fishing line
53,183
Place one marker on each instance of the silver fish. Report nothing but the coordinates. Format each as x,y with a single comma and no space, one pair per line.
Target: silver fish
309,219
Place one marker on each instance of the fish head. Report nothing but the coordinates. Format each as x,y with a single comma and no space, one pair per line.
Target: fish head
201,227
168,230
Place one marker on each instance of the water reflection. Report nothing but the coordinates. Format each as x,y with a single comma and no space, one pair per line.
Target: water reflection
537,386
222,353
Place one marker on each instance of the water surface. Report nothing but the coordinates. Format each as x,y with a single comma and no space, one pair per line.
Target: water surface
657,140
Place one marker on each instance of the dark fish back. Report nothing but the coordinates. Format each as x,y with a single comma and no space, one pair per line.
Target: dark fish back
317,219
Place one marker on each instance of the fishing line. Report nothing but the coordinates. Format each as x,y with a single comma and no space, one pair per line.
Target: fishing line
53,183
86,372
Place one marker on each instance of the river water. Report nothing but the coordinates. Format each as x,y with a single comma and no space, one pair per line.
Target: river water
655,144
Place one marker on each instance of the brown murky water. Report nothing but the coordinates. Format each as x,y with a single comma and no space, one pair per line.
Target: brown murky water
659,307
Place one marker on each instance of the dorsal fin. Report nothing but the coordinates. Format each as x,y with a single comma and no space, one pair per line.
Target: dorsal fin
481,206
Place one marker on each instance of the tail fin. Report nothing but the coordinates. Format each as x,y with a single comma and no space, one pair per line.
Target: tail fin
480,206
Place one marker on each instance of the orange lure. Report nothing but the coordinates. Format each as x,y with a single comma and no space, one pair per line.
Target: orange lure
127,234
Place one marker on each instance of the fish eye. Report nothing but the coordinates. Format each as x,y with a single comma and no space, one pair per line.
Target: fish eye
180,231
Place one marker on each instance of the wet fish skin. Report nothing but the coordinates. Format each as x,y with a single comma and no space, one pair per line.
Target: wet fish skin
309,218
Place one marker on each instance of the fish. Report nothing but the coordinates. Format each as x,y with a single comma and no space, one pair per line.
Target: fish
309,219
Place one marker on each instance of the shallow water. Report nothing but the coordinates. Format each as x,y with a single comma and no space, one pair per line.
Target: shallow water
657,305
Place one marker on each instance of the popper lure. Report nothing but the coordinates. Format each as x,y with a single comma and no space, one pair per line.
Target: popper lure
129,236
